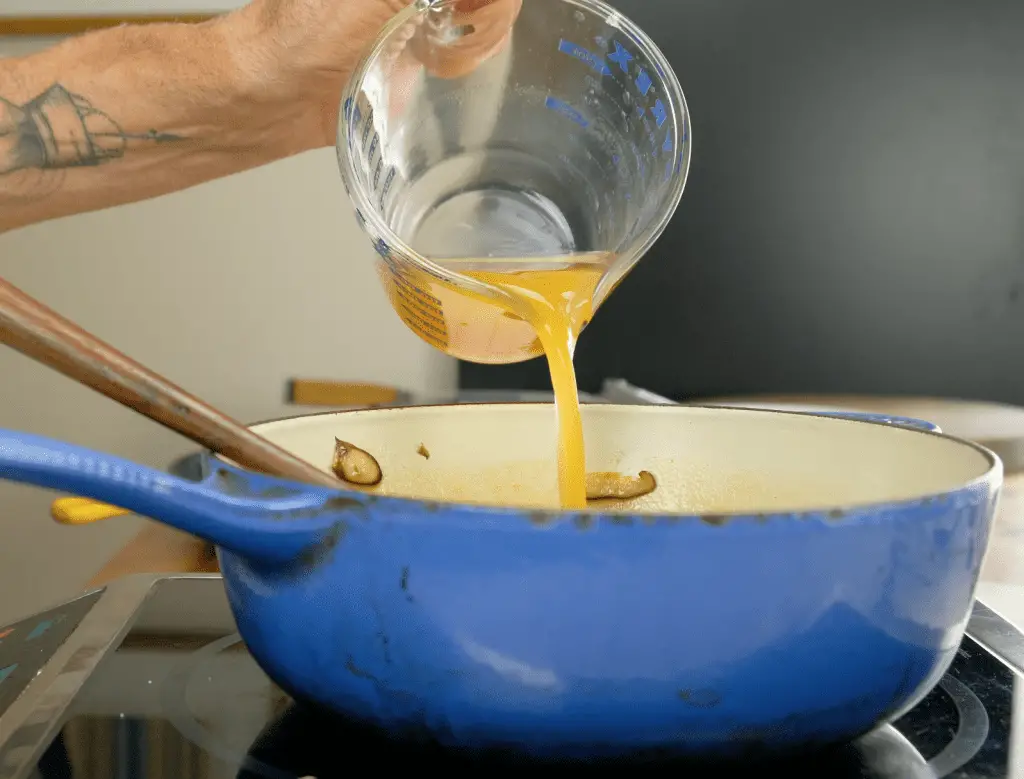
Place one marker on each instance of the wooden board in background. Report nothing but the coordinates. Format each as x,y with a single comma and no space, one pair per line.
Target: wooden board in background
339,394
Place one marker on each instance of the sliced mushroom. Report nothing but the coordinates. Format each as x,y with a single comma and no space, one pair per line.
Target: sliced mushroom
355,466
617,486
423,452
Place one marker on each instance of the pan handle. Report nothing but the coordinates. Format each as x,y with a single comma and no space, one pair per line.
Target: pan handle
885,419
248,525
621,391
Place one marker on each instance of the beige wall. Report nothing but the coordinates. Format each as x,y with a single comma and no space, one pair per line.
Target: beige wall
229,289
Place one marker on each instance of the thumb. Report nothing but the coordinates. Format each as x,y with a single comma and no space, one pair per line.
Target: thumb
484,26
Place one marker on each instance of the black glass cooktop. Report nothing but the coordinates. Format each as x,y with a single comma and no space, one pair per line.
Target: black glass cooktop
175,695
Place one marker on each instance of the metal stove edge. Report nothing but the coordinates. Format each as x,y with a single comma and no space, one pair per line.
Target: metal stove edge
996,634
32,721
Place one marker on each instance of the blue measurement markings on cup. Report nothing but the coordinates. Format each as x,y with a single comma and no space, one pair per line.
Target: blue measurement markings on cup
566,110
596,63
367,128
370,148
388,180
653,115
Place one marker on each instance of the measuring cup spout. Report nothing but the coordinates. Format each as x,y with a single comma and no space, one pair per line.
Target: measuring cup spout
275,525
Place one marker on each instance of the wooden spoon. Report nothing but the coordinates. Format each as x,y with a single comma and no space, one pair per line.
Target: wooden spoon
31,328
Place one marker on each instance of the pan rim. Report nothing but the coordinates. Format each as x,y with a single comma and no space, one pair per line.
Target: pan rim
993,472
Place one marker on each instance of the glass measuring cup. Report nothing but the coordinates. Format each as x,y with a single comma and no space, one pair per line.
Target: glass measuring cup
483,137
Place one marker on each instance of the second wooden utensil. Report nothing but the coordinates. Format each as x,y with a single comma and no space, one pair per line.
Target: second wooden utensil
36,331
83,511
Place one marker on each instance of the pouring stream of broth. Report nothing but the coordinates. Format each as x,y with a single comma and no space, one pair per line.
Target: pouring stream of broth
557,302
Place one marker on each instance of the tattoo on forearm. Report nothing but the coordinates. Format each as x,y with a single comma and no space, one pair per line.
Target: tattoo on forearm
59,129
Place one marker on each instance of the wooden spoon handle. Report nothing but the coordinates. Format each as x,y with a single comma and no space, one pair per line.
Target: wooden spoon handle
44,335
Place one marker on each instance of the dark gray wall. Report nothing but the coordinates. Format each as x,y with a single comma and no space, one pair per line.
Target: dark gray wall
854,218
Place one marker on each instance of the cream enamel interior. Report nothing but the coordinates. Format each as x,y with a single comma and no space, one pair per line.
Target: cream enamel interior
706,460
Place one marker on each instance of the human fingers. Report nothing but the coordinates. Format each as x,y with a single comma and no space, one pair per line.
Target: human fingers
484,28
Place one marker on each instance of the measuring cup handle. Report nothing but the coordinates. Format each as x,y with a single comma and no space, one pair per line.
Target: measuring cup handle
246,524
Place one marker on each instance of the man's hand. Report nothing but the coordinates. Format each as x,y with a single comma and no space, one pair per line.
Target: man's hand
305,50
133,112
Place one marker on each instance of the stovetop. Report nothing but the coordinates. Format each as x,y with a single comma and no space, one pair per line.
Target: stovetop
147,679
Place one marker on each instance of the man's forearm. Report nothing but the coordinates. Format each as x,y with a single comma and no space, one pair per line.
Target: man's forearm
134,112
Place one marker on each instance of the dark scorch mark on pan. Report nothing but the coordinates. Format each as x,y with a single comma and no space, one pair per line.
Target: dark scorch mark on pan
700,699
403,584
355,670
321,553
